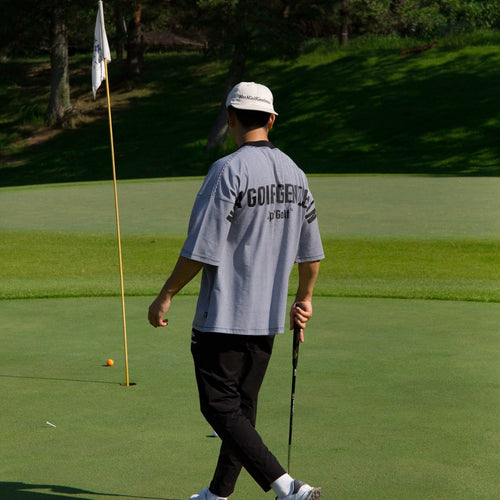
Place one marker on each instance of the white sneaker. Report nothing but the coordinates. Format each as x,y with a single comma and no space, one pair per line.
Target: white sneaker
302,491
206,494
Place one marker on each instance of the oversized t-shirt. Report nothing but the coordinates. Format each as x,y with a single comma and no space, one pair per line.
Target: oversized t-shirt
253,218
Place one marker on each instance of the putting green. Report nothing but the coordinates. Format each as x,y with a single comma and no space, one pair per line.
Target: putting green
395,399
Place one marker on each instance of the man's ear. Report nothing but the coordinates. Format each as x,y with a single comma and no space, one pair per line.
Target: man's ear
270,123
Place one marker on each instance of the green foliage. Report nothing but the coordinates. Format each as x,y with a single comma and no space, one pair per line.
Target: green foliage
260,27
32,113
421,18
271,26
25,30
428,18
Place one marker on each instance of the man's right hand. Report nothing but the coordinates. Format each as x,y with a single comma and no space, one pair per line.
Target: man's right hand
157,311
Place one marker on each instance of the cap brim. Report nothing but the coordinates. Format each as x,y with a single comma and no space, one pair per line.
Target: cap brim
245,107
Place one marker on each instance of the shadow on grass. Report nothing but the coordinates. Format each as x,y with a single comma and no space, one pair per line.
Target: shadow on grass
384,114
22,491
372,112
57,379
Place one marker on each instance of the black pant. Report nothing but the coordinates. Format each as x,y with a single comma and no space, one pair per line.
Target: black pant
229,372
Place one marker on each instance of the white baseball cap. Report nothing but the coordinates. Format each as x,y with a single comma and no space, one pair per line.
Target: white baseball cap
251,96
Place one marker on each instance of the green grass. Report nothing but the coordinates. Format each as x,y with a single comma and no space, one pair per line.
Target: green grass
45,264
399,237
394,399
358,109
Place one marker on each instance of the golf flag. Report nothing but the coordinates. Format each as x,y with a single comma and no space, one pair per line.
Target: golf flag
101,50
100,59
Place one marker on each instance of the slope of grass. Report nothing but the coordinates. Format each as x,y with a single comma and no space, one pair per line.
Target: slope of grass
363,108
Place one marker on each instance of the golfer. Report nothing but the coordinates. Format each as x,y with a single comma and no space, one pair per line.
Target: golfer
253,218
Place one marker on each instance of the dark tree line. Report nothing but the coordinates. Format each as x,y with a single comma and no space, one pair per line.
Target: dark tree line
233,29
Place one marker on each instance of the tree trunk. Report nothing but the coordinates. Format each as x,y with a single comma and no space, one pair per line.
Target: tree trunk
135,45
219,131
59,103
121,32
344,29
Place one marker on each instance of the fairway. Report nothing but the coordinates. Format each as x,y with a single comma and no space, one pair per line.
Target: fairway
348,206
396,399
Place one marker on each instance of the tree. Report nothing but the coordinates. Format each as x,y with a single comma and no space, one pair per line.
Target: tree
25,30
233,29
59,104
256,27
119,7
219,131
344,18
135,43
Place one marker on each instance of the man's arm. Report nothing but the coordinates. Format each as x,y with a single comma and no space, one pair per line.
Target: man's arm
184,271
308,272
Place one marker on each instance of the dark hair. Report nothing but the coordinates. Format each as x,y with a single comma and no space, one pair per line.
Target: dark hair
250,119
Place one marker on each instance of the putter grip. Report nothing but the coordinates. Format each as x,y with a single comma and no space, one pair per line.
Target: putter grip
296,342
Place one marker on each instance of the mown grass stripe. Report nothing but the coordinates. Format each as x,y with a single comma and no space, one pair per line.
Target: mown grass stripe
48,264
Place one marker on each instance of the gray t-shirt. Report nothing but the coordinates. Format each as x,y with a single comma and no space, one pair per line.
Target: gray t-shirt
253,218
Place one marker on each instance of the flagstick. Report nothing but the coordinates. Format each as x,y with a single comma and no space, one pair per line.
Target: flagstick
117,226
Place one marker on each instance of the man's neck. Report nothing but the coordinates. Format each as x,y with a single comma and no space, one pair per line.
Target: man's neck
259,134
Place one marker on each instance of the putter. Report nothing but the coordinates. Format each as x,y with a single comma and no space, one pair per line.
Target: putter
295,360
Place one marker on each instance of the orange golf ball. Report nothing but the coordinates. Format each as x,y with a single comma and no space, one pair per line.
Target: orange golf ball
110,362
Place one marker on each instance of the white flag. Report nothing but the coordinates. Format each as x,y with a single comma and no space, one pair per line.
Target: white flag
101,51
